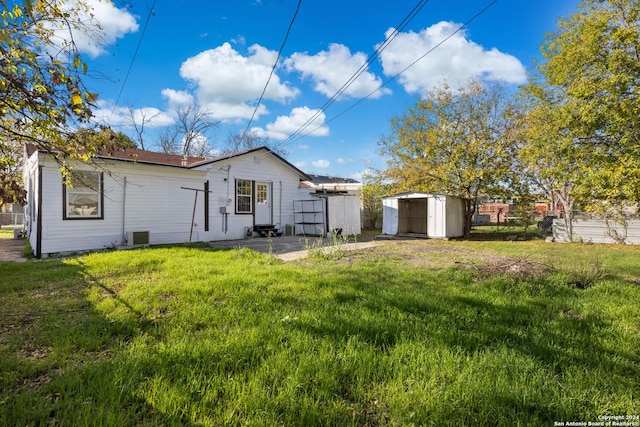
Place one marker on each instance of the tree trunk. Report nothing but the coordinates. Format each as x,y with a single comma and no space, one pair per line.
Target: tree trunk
567,204
470,208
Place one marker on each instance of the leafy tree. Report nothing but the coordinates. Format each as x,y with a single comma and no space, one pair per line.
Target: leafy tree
551,158
42,95
11,185
593,62
373,189
250,140
104,139
453,141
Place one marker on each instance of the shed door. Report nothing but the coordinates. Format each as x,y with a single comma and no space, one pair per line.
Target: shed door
263,203
412,216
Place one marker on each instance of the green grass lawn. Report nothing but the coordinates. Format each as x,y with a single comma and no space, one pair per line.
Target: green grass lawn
6,233
409,333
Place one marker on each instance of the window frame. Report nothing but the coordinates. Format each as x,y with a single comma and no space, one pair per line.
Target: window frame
68,193
248,196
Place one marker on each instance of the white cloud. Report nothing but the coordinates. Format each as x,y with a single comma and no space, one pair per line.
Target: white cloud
153,116
357,176
287,125
342,160
100,23
223,76
177,98
234,112
304,146
455,61
239,40
300,165
321,164
331,70
105,114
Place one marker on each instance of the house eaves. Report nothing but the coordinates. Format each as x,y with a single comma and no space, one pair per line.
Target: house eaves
303,176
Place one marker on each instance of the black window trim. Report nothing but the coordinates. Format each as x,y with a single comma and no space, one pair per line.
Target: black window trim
65,217
235,192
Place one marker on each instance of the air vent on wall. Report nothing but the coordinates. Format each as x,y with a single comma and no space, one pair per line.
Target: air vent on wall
137,238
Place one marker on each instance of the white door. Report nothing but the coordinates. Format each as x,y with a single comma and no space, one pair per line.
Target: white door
263,203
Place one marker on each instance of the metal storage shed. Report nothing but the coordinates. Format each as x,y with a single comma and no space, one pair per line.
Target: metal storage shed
423,215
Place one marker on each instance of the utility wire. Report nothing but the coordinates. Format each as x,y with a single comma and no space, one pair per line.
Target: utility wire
291,139
135,54
264,90
407,19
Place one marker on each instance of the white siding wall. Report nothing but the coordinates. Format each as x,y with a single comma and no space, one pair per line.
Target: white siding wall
151,200
140,197
154,201
256,166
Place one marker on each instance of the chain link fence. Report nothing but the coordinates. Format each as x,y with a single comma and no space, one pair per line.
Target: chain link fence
11,219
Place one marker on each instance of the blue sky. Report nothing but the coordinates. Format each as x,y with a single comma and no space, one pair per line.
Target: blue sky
220,54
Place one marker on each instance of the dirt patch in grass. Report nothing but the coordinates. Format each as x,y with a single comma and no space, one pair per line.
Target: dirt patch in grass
422,253
437,254
509,266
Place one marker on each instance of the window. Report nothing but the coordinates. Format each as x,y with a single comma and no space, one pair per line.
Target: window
84,199
243,196
261,194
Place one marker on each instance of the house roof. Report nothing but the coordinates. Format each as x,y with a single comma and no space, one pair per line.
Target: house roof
176,160
134,155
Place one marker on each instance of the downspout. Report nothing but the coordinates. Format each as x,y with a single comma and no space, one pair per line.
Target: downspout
39,217
124,204
206,205
280,209
326,213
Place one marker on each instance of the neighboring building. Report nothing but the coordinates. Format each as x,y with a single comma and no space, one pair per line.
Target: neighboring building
331,184
139,197
494,212
423,215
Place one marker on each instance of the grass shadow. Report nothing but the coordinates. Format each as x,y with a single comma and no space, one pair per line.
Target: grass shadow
57,350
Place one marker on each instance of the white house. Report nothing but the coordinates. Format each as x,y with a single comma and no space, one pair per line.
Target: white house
133,196
423,214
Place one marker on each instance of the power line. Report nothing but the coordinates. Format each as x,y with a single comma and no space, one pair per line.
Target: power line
264,90
407,19
135,54
291,139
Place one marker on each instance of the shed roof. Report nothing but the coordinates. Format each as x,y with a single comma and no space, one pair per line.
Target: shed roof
416,195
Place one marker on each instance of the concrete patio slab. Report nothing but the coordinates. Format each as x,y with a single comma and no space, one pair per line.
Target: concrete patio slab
289,248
